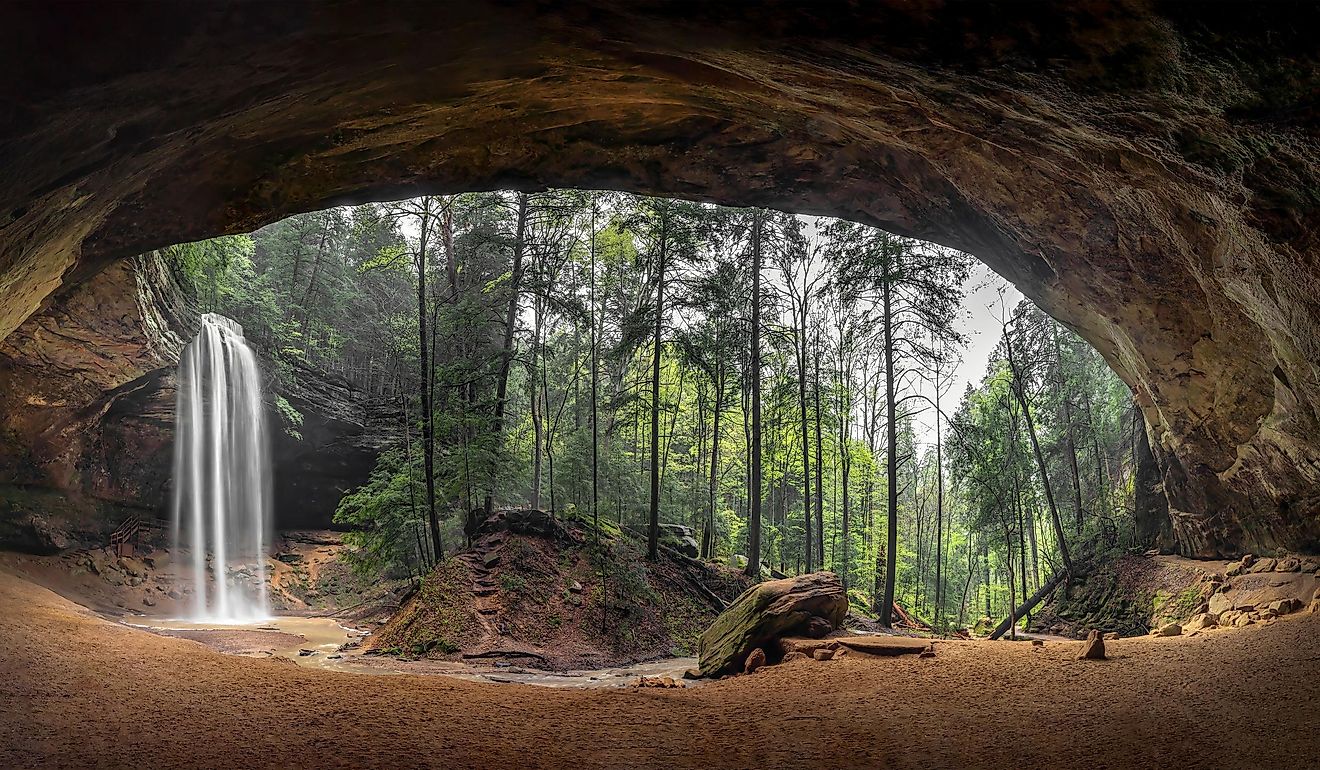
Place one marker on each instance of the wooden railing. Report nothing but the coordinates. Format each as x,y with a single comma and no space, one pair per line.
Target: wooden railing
122,539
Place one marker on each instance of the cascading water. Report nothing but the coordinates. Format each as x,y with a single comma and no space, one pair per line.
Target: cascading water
222,475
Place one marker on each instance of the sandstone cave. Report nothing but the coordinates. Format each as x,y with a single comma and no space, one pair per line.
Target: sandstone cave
943,375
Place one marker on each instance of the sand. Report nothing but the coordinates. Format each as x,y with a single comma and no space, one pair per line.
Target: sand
79,691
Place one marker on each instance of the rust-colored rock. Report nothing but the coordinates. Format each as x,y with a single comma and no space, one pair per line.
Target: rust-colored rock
1093,648
765,613
755,660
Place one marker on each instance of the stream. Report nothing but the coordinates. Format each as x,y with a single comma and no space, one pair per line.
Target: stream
316,642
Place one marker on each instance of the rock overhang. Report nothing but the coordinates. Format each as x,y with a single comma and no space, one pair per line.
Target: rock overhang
1146,172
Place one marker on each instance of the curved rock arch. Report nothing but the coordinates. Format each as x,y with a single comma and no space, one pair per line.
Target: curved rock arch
1144,172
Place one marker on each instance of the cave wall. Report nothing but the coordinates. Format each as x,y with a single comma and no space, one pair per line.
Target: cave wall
1146,172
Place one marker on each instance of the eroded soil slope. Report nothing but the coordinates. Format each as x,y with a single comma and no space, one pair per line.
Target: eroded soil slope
542,592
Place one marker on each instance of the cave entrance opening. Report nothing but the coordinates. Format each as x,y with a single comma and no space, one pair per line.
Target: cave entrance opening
1012,437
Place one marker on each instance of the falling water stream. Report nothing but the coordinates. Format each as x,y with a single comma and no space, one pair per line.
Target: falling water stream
222,475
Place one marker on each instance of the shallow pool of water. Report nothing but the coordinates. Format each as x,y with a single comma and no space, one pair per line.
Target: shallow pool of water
316,643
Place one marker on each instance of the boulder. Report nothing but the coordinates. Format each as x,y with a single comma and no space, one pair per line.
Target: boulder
1285,606
1093,648
823,653
792,656
765,613
681,539
1169,629
1264,565
755,660
661,682
1201,621
1288,565
1219,604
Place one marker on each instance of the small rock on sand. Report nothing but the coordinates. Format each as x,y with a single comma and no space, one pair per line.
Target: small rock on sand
755,660
1168,629
1093,648
823,654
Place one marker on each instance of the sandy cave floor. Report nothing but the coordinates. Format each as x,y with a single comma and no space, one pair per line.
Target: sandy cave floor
79,691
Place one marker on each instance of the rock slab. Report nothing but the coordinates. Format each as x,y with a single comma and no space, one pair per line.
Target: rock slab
765,613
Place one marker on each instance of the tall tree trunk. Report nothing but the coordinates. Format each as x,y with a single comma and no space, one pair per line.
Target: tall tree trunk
422,554
939,508
424,370
653,524
310,294
1035,450
708,535
985,566
754,483
891,449
451,256
506,354
820,455
800,338
538,407
1065,398
595,401
1012,589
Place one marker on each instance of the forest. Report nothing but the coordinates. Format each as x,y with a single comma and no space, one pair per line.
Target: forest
781,384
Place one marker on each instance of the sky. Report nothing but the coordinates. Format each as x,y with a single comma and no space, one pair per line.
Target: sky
982,308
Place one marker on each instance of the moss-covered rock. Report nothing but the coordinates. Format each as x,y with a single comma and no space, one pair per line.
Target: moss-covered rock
766,612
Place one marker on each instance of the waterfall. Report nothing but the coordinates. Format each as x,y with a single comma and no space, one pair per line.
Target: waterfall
222,475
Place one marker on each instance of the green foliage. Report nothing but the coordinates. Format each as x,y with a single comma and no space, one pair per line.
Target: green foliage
340,293
293,419
385,521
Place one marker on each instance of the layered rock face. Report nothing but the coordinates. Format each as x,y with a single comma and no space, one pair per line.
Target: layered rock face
87,397
87,403
1146,172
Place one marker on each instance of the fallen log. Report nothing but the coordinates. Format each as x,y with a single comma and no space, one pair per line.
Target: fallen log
1030,603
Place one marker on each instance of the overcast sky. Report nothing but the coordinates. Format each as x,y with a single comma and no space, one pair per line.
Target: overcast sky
980,323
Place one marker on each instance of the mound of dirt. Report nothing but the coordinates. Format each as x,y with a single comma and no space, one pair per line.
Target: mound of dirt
536,591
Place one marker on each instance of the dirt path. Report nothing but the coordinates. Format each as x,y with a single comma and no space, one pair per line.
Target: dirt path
78,691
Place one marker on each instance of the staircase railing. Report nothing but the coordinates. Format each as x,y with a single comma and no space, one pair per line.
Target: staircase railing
122,539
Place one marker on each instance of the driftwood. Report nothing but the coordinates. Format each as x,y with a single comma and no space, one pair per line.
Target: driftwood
1030,603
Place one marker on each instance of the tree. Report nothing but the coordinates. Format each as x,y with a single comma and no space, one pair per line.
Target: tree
918,289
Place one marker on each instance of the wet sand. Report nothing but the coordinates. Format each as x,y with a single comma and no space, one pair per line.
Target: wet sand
79,691
316,643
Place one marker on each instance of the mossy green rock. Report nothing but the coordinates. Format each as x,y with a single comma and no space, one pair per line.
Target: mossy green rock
766,612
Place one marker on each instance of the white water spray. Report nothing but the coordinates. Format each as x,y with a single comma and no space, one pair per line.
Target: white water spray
222,475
